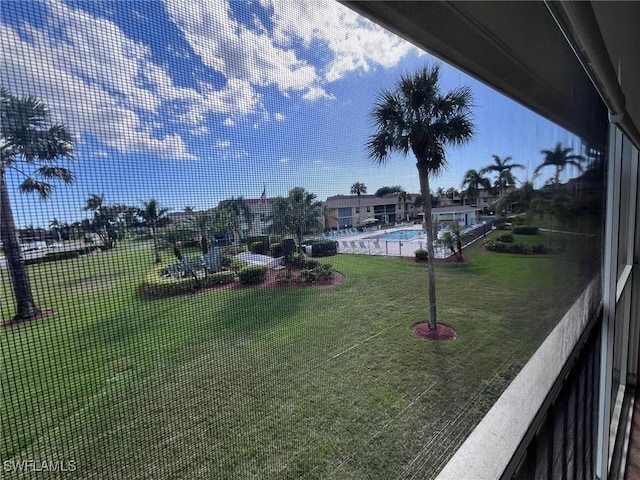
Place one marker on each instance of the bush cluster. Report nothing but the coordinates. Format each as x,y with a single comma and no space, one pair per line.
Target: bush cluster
422,255
253,274
275,250
324,248
320,272
514,247
156,285
505,238
526,230
258,238
260,248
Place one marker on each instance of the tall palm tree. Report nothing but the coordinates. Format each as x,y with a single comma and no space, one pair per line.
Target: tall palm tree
502,168
559,158
473,181
297,214
29,146
416,117
154,216
359,189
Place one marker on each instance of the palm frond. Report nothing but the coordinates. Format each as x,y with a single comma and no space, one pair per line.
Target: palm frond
56,173
31,185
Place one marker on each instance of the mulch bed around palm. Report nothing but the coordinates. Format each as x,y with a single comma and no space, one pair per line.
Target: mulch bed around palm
441,333
16,322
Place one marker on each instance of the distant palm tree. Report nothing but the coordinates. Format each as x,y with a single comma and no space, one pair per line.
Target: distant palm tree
203,222
94,202
27,139
403,198
559,158
359,189
55,225
297,214
236,212
473,181
154,216
502,168
416,117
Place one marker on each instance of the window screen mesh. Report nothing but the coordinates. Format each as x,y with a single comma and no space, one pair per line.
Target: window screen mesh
177,176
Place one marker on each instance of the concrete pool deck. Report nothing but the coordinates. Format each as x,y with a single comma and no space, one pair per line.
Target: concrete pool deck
364,243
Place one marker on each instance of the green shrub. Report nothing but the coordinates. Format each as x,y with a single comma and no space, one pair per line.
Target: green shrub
259,238
310,263
422,255
537,248
324,248
497,246
156,285
502,226
322,272
505,237
259,248
297,260
275,250
508,247
253,274
285,277
526,230
288,247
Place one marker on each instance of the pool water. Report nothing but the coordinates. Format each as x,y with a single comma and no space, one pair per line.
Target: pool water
399,235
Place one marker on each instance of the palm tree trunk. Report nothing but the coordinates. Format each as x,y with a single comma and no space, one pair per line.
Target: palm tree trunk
25,306
428,225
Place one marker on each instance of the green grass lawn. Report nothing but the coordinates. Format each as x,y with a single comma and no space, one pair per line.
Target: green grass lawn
322,382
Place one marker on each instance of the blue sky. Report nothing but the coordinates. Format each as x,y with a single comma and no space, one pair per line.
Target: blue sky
193,102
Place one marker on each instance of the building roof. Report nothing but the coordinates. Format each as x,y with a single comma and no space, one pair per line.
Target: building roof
342,201
455,209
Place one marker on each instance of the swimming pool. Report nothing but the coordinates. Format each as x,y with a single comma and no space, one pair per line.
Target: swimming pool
399,235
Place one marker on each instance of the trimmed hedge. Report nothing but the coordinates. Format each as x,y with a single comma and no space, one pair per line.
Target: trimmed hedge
157,286
526,230
422,255
324,248
253,274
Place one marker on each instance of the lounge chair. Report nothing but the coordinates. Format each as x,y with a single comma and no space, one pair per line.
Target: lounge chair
363,247
354,247
345,247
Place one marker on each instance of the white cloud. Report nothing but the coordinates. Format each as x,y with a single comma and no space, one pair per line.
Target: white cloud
279,116
101,153
228,122
284,160
223,144
100,81
356,43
